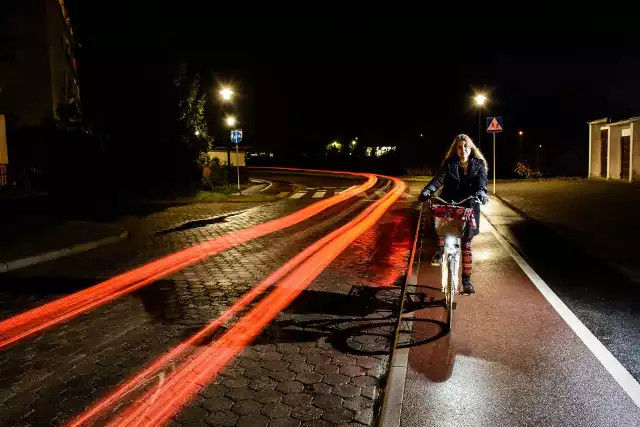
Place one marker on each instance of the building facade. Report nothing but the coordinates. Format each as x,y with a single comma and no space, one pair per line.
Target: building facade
38,70
614,149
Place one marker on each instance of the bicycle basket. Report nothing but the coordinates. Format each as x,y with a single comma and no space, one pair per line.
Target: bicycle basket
452,221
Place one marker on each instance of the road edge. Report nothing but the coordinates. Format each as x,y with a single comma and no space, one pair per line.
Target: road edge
393,392
16,264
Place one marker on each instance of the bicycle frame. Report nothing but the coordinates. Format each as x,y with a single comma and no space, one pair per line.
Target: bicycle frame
450,268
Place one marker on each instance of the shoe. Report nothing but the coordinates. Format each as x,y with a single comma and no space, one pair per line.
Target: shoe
436,261
467,287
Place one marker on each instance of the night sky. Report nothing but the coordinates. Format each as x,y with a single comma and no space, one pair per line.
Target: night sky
303,84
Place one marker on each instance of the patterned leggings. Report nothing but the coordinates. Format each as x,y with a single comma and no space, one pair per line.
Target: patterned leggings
466,255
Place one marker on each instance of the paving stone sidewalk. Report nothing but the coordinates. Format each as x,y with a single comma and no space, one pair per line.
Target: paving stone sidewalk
47,379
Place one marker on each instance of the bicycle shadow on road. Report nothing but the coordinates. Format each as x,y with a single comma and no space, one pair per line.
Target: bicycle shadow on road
362,322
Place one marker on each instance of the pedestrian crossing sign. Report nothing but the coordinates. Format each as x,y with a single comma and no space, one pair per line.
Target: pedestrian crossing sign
494,124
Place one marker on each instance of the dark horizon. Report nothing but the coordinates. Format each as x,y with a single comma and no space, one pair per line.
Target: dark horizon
306,88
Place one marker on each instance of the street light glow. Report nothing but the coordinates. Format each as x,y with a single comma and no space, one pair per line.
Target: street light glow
230,121
197,132
226,93
520,133
480,99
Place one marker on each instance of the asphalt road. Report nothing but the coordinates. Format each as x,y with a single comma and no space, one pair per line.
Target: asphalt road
321,361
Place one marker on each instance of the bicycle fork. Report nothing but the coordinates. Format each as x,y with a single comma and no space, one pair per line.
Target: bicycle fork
450,262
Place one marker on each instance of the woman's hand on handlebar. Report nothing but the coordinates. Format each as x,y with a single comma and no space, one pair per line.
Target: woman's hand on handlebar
482,197
425,195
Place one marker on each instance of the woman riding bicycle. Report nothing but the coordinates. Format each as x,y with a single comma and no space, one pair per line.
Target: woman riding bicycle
463,174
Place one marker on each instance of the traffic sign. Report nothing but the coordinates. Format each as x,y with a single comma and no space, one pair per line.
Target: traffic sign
494,124
236,135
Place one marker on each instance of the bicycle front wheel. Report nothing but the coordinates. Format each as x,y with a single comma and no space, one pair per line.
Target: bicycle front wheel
450,290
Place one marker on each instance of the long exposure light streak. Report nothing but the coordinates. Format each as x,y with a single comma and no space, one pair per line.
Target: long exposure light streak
159,403
62,309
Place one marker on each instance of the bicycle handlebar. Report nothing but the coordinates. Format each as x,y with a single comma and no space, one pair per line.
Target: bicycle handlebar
451,203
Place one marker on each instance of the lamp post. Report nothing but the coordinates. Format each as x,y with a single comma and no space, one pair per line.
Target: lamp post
226,94
480,100
231,122
520,146
538,158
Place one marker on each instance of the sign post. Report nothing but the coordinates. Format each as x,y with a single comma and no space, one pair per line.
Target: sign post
236,137
494,125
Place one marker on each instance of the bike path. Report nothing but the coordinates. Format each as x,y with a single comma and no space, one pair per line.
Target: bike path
511,359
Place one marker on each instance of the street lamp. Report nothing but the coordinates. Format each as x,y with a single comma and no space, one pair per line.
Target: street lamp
480,100
538,158
226,94
231,122
520,133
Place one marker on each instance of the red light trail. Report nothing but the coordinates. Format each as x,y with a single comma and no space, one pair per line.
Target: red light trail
62,309
160,402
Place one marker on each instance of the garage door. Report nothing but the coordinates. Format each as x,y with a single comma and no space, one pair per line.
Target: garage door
625,153
604,151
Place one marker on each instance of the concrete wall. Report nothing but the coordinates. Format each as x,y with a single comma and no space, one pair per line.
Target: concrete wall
615,133
635,151
222,156
595,152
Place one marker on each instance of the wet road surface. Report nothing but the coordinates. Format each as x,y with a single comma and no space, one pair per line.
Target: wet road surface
511,359
319,361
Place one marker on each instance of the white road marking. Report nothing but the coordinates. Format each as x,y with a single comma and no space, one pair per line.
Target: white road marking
380,193
347,189
298,195
263,181
319,194
610,363
282,194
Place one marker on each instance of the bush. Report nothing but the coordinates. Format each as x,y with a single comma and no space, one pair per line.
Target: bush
214,174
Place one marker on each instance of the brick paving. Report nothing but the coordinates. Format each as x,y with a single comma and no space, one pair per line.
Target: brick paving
321,362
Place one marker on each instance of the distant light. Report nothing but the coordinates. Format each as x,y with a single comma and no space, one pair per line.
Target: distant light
356,138
353,143
421,135
541,146
230,121
480,99
226,93
197,132
520,133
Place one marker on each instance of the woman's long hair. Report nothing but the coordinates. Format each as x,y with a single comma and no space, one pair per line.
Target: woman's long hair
475,151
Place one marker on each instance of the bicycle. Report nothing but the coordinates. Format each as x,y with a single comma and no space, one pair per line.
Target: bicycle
451,220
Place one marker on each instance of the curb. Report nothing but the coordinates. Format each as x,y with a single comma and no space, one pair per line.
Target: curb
612,264
391,408
49,256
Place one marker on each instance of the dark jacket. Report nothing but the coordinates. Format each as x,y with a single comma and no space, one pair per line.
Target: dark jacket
457,186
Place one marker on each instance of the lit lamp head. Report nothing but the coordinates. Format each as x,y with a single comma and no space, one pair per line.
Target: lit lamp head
226,94
230,121
480,99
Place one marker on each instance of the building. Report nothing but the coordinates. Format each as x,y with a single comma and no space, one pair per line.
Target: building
38,70
614,149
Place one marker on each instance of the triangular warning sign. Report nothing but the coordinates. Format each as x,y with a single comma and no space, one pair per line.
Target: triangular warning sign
494,126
